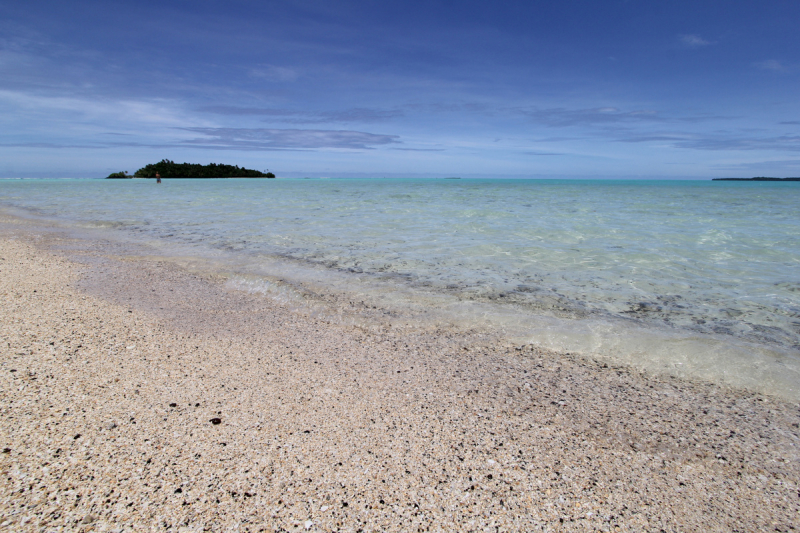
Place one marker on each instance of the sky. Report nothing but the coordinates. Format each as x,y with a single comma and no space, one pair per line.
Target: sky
584,89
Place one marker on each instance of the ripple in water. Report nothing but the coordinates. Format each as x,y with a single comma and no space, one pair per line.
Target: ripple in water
697,278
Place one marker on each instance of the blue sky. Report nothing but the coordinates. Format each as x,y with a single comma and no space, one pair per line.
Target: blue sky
635,88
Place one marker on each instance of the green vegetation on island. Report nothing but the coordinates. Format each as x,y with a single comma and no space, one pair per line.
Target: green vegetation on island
170,169
759,178
119,176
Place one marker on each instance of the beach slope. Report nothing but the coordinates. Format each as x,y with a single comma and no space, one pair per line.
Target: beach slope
136,395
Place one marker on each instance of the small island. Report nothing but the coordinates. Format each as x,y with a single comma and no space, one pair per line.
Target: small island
170,169
760,178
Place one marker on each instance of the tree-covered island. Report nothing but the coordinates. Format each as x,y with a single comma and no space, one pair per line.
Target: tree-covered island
759,178
170,169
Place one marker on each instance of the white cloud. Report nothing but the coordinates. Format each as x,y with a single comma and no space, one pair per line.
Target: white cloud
585,117
283,139
783,143
357,114
274,73
693,41
70,120
152,112
771,64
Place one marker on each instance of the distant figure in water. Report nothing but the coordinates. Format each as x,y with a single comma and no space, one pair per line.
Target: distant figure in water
158,177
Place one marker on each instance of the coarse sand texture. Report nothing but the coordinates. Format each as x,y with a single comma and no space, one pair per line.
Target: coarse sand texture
139,396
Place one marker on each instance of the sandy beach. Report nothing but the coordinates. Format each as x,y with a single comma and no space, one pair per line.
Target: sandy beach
139,396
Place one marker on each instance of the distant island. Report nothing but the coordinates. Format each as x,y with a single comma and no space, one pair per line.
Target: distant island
171,169
761,178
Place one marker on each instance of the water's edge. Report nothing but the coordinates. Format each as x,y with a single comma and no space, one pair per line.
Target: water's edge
693,279
379,302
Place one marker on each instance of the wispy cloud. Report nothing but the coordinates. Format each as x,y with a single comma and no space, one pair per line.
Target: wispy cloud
155,112
560,117
559,139
287,139
790,143
537,153
419,149
607,116
450,107
154,123
791,166
50,145
357,114
770,64
274,73
693,41
243,139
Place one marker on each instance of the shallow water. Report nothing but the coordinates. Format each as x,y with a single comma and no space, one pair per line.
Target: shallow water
697,278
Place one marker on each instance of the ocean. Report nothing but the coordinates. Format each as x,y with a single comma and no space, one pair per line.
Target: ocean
695,278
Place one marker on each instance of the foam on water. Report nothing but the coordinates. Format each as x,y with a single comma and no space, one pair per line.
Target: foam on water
697,278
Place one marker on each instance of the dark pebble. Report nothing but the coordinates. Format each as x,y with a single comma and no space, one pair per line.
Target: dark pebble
216,421
6,450
76,437
173,404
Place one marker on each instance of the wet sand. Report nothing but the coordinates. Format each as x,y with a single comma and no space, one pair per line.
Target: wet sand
139,396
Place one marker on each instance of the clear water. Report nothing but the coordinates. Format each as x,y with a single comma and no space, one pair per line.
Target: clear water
699,278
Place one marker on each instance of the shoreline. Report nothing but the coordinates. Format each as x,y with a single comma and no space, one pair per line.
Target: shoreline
378,300
340,427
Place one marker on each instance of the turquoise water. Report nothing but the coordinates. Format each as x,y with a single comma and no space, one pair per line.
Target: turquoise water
701,278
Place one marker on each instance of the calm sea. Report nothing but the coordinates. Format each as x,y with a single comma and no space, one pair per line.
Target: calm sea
689,277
